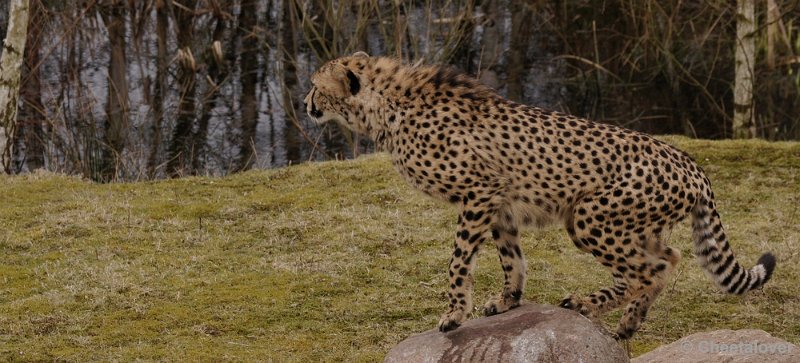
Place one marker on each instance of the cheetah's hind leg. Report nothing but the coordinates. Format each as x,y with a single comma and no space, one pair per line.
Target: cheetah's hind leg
634,257
663,261
590,230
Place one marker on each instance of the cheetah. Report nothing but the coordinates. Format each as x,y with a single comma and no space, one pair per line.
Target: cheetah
507,166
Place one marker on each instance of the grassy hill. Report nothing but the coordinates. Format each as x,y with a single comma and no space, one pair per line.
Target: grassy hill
330,261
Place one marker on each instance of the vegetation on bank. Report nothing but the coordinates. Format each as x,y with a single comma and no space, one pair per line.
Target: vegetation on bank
331,261
130,90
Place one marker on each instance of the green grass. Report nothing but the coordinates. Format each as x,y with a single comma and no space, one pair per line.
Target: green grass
330,261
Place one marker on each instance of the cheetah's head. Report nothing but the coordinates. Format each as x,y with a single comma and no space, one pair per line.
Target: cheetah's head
333,93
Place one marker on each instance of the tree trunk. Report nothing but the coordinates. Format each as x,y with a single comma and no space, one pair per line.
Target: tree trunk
160,86
461,34
248,25
215,61
317,30
399,32
116,123
13,50
520,37
3,19
743,117
32,115
270,55
179,153
361,25
491,43
773,16
289,81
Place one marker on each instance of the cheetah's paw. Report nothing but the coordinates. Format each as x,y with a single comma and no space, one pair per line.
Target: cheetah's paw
575,303
451,320
499,305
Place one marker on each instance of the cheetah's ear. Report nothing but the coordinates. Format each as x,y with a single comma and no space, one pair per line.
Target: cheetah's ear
337,81
360,54
353,82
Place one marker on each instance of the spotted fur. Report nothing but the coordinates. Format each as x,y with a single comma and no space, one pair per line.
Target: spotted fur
507,166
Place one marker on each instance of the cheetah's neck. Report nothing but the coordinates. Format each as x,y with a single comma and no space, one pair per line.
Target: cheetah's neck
391,89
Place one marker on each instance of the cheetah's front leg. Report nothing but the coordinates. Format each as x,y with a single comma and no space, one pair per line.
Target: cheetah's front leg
514,269
473,226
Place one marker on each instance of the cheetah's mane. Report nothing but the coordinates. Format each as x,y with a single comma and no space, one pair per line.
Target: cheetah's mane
428,80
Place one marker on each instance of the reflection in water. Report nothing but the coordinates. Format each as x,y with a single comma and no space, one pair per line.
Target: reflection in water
188,98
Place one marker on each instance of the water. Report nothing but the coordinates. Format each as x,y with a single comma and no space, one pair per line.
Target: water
75,90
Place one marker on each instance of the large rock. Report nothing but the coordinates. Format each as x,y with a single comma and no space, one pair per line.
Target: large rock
529,333
729,346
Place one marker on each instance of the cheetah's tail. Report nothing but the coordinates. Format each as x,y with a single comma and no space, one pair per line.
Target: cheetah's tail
716,257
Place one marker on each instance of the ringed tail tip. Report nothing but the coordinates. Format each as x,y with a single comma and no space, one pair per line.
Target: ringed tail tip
768,261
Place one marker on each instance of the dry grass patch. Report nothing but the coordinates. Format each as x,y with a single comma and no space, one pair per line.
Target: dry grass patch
329,261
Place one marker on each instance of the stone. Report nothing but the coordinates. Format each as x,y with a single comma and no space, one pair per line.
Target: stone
529,333
728,346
